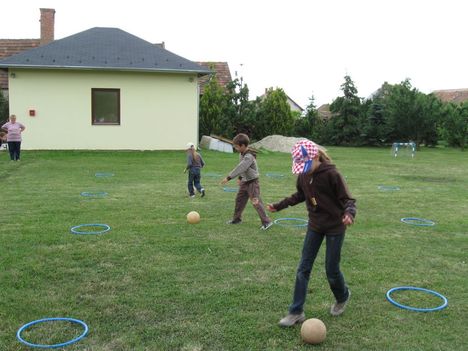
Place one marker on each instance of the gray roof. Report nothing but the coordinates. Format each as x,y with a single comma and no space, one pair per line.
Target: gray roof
103,49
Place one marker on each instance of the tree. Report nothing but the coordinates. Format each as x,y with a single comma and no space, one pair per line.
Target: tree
274,115
343,127
455,124
310,125
411,115
212,108
240,112
4,109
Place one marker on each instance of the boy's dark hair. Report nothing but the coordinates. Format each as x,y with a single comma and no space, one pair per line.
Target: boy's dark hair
241,139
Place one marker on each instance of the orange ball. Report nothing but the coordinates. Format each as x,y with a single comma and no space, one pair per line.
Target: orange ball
313,331
193,217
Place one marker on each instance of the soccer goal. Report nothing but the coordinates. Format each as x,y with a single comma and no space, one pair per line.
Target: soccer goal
404,149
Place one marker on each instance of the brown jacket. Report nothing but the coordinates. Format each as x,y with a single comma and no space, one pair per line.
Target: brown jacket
327,199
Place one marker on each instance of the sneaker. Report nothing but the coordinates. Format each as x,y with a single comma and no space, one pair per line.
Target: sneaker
339,307
202,192
234,221
292,319
192,196
266,226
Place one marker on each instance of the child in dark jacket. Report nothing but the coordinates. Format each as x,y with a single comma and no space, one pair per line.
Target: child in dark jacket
331,208
194,165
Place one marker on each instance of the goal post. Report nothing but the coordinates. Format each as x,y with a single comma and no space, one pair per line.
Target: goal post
404,149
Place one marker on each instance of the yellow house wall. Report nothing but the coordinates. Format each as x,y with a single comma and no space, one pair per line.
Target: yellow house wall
158,111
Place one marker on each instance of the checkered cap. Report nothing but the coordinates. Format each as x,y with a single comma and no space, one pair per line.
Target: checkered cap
302,154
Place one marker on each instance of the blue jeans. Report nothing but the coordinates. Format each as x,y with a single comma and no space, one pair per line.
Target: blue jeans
194,180
14,147
312,243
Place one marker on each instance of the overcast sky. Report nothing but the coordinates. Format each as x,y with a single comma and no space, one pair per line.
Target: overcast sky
305,47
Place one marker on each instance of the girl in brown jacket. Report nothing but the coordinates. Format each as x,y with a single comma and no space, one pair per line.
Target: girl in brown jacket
331,208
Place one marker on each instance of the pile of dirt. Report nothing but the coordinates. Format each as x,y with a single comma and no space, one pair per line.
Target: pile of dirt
276,143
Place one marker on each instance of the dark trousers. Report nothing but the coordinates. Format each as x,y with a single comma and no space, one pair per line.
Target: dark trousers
194,178
312,243
250,190
15,148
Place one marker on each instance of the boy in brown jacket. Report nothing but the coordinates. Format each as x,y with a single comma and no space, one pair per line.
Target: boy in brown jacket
249,187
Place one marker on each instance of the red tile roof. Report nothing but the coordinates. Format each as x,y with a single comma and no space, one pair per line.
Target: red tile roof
9,47
452,95
223,74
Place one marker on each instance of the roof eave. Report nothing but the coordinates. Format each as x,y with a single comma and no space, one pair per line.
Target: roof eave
120,69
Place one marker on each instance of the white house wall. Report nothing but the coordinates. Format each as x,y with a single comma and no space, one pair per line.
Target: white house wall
158,111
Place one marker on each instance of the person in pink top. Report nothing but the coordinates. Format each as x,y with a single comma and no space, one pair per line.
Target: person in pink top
14,130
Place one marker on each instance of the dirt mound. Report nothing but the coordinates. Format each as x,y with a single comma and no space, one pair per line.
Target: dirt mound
276,143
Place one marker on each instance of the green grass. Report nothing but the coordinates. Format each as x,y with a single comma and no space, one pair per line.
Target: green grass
155,282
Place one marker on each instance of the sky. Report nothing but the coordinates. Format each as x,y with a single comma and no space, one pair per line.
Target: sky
305,47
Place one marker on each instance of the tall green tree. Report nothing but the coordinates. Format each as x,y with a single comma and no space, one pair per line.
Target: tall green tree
411,115
4,109
240,112
212,108
310,125
274,115
343,127
455,124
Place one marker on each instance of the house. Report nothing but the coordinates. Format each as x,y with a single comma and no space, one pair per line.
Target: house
104,88
292,104
452,95
10,47
324,112
221,71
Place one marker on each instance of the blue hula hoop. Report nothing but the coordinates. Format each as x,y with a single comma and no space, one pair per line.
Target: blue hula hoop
279,220
104,174
438,308
52,346
388,188
275,175
95,194
421,222
230,190
105,226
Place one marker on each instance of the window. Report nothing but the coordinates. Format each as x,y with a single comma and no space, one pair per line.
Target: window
105,105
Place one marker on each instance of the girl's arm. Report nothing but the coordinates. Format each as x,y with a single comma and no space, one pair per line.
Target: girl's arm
345,199
292,200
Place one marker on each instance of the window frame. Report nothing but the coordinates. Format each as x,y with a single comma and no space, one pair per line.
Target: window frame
93,105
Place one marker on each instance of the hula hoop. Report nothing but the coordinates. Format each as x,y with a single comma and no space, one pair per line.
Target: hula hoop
96,194
421,222
279,220
75,231
230,190
45,346
438,308
388,188
275,175
104,174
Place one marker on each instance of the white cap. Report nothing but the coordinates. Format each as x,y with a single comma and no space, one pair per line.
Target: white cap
190,145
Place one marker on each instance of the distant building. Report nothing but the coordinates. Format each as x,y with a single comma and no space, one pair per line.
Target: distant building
220,70
292,104
10,47
102,88
452,95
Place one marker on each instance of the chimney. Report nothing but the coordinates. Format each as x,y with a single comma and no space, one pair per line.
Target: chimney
47,25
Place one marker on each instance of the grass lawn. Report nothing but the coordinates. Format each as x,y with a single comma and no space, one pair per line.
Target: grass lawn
154,282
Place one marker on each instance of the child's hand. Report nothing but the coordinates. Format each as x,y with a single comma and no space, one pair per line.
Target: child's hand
271,208
347,219
224,181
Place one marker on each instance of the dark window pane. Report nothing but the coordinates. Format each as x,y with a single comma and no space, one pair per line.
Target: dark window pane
106,106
